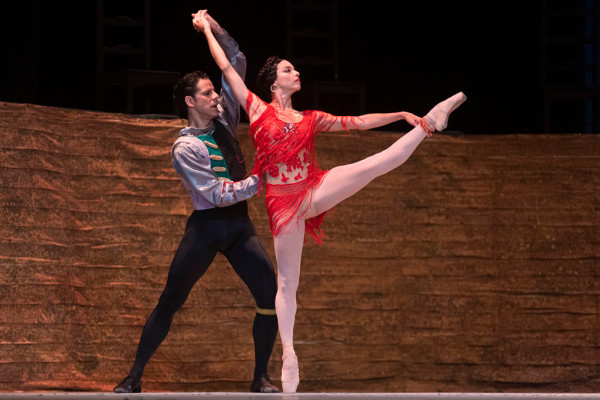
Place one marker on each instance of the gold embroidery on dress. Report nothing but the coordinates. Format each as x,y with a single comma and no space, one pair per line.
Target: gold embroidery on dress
215,157
219,169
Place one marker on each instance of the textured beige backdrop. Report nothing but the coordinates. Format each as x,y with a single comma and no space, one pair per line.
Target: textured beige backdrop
473,267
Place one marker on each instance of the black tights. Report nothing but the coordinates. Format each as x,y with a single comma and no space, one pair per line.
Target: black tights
229,231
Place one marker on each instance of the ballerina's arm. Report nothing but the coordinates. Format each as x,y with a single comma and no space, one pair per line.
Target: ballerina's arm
327,122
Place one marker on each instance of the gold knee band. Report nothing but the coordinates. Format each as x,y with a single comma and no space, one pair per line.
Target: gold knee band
265,311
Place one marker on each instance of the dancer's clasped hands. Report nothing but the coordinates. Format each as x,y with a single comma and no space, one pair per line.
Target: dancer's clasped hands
200,21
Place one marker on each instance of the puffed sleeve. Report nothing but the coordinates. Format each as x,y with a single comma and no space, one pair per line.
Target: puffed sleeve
230,113
194,169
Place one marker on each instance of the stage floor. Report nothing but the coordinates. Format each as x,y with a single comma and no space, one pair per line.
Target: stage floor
298,396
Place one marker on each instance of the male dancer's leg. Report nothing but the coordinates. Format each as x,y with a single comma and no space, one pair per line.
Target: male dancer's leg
194,255
251,262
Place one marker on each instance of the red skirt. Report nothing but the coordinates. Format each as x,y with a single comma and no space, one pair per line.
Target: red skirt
284,202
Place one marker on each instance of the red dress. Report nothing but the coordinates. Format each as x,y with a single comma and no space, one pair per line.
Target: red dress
286,152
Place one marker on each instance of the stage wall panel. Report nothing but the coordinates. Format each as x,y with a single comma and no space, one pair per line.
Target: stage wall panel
473,267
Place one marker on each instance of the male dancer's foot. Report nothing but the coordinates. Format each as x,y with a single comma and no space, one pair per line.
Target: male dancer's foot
263,384
437,118
290,374
129,385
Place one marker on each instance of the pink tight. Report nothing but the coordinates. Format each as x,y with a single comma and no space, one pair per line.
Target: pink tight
339,184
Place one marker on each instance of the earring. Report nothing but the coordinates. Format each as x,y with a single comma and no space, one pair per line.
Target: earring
273,89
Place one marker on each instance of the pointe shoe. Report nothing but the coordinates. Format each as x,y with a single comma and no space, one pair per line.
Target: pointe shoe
290,374
438,116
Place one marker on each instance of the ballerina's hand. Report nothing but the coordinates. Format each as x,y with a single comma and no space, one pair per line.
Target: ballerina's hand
411,118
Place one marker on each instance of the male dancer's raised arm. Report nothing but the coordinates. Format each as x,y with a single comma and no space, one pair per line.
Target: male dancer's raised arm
191,158
229,115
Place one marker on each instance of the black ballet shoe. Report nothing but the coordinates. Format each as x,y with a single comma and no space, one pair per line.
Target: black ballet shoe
263,384
129,385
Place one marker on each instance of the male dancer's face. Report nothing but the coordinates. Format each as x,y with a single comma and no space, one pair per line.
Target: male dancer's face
205,99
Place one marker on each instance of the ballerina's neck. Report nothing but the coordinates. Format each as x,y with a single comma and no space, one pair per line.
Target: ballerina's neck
288,115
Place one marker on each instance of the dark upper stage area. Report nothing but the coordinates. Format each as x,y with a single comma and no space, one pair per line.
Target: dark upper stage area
508,57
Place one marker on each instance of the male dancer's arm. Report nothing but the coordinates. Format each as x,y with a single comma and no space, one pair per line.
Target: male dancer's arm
192,163
229,116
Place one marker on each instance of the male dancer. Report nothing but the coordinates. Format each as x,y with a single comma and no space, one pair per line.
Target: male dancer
211,165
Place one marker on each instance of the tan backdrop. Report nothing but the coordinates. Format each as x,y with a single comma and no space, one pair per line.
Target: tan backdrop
473,267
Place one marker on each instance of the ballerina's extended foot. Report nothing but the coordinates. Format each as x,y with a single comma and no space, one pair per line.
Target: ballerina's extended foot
437,118
290,375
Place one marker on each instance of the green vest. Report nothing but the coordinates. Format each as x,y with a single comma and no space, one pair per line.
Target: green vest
217,162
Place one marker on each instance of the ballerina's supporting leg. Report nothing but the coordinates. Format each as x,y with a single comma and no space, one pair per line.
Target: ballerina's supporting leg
288,252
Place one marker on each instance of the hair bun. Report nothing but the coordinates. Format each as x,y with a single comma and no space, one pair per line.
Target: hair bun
267,76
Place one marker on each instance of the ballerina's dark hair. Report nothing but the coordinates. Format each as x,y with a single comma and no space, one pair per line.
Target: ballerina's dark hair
266,77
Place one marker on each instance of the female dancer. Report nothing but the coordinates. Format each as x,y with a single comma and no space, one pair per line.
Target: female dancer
298,192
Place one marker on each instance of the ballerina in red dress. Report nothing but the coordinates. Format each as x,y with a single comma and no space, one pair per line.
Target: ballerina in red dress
298,193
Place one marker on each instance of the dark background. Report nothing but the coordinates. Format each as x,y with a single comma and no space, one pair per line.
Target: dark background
409,55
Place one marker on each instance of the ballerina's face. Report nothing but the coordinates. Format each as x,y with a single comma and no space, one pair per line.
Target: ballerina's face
287,77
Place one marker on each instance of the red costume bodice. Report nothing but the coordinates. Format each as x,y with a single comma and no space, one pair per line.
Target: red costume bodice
286,160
